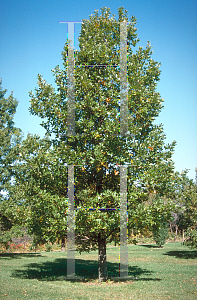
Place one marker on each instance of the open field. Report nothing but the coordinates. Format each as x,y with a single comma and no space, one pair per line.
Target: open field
166,273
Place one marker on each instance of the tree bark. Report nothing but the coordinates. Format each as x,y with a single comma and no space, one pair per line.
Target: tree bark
171,228
102,261
176,233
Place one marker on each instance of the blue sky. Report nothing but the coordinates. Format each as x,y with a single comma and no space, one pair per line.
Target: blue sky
32,40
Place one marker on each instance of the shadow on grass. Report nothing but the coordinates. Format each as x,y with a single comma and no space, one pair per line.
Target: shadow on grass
182,254
52,270
151,246
19,255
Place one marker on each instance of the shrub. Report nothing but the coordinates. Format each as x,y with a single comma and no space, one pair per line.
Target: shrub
48,247
191,237
160,234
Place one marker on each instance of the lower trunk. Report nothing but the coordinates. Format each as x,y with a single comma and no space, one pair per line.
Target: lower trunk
63,244
176,233
102,269
171,228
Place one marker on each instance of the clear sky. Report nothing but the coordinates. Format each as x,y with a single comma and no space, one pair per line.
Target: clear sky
32,40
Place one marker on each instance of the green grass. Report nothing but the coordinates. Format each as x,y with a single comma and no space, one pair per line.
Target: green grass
166,273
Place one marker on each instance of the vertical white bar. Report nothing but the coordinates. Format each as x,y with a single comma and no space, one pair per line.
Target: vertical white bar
71,33
71,225
71,82
123,222
123,80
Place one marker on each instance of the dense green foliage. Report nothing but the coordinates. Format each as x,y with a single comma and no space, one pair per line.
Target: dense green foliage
191,237
10,137
44,183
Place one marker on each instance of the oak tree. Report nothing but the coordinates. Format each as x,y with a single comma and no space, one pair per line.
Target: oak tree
97,148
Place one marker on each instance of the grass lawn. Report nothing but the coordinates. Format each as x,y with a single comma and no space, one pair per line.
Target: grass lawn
166,273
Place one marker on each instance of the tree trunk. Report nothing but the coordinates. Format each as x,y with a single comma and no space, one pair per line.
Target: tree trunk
63,244
176,233
171,228
102,269
183,235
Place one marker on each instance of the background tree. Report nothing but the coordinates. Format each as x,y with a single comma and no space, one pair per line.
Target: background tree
187,215
10,138
97,146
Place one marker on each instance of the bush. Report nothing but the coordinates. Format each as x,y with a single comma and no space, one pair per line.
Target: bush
33,246
191,237
132,241
160,235
48,247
